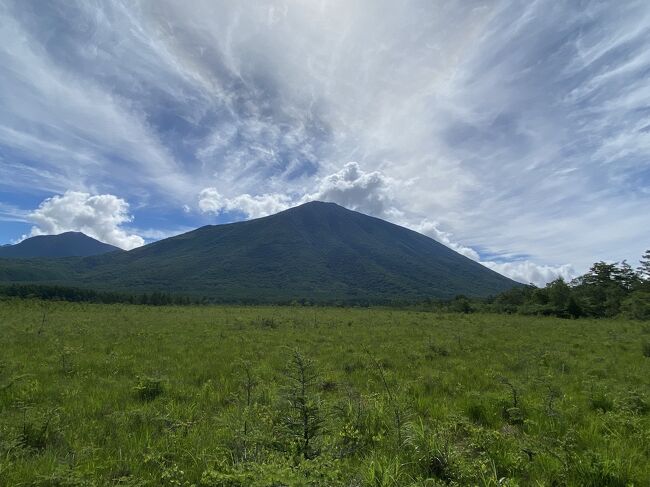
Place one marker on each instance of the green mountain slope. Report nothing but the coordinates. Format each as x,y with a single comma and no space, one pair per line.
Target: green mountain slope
317,251
66,244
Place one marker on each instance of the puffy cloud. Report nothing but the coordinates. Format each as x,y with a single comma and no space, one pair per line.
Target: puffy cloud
368,192
353,188
98,216
261,205
528,272
211,201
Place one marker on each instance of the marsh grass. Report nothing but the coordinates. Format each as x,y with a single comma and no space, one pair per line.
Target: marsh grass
94,395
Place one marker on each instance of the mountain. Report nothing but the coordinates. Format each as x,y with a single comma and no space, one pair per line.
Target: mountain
69,244
316,251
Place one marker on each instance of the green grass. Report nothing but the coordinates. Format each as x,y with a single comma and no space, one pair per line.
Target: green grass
136,395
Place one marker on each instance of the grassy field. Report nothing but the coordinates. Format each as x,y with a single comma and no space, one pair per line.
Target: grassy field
232,396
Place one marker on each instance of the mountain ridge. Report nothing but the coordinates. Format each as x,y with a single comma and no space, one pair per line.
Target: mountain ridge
316,251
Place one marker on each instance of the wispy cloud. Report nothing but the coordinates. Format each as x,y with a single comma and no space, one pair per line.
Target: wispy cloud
11,213
517,127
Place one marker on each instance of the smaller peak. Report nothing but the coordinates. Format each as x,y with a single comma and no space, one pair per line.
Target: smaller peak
315,208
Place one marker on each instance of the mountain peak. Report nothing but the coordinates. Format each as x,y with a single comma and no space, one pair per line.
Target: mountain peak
317,205
66,244
317,251
321,204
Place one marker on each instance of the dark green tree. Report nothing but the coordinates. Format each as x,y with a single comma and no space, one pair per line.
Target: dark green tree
304,420
637,305
601,290
510,301
574,310
600,275
644,267
559,294
626,277
460,304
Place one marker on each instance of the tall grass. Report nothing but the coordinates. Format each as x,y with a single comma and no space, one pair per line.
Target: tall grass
217,396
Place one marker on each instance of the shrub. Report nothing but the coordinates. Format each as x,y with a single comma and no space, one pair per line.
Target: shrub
514,416
637,306
461,304
328,385
39,435
149,388
434,349
63,477
353,365
432,455
645,348
478,413
593,470
600,401
265,322
217,478
636,402
384,471
307,473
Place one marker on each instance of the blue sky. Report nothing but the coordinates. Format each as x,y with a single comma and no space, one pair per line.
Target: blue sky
517,133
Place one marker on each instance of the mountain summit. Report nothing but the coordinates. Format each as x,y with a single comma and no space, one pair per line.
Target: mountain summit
68,244
316,251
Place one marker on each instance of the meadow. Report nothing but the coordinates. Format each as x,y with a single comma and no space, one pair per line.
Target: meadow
213,396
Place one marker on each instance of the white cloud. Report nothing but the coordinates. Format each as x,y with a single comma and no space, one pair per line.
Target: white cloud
157,234
524,271
430,228
11,213
211,201
368,192
531,273
79,131
373,193
470,117
261,205
98,216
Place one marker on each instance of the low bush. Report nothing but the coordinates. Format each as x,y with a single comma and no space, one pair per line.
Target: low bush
149,388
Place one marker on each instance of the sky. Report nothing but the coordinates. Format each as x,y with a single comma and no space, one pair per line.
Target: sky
517,133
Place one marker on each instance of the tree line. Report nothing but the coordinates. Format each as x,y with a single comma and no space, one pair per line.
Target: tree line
74,294
606,290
